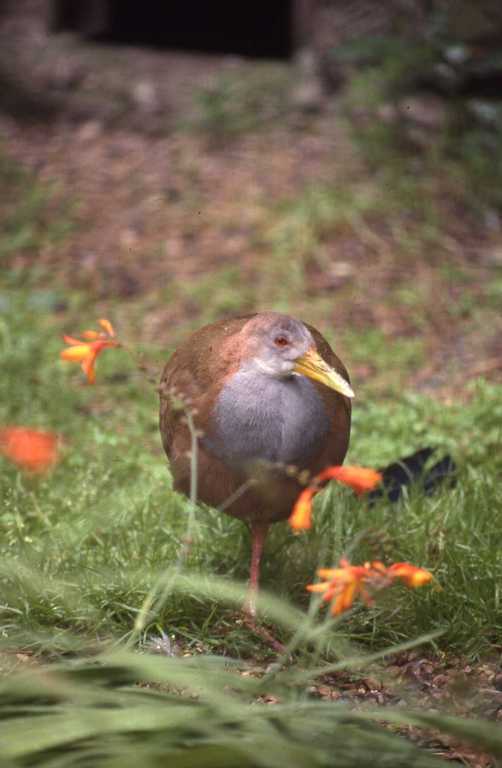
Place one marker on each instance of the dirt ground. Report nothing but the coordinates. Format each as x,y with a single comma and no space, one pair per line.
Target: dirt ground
159,206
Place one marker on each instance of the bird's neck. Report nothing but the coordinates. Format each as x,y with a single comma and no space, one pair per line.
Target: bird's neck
259,416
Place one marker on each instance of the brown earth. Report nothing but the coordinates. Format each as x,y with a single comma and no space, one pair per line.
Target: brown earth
162,206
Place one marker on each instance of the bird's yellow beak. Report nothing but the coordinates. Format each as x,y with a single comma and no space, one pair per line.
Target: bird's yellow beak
312,365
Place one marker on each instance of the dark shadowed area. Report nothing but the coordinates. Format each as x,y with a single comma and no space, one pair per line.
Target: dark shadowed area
257,30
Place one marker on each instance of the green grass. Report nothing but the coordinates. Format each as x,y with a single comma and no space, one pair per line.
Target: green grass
82,548
93,556
200,712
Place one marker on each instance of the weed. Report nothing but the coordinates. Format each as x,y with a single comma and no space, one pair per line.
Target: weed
204,712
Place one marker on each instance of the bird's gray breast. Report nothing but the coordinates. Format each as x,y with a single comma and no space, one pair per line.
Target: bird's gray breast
257,416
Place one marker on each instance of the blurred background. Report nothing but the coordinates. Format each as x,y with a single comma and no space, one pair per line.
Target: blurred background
171,163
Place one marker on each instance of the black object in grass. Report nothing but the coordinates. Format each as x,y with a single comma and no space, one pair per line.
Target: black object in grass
410,470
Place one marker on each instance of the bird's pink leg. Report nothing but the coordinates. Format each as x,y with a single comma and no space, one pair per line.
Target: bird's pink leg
258,535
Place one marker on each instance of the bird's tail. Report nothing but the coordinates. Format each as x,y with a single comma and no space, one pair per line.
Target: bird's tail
412,469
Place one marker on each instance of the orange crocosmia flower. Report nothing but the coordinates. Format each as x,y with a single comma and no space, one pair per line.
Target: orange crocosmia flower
31,449
86,351
342,585
360,479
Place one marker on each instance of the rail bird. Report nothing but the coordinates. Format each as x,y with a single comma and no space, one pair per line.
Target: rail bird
270,399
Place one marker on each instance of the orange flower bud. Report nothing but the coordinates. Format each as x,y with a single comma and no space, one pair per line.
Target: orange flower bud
360,479
91,335
301,516
409,574
108,327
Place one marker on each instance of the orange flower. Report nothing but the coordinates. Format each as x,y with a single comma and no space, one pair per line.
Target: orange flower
342,585
86,352
360,479
31,449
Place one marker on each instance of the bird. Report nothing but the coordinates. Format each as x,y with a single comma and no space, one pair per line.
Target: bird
270,400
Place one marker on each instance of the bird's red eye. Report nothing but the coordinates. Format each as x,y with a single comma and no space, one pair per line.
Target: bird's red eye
281,341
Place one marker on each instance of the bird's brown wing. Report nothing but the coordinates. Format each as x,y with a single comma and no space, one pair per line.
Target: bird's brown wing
192,371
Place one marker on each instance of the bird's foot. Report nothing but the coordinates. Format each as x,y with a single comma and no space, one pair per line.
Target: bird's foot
250,621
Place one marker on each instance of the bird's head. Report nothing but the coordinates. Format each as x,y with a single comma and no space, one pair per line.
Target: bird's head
281,346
